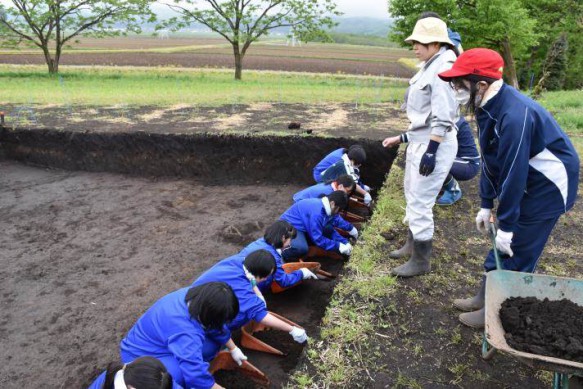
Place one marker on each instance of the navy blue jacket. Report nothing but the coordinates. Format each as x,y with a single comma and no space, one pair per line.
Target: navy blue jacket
166,329
529,163
283,279
466,144
230,270
310,216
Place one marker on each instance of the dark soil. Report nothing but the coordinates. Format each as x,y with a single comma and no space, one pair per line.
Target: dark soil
548,328
210,60
213,159
232,379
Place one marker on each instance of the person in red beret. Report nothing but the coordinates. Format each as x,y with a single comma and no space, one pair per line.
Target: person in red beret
529,167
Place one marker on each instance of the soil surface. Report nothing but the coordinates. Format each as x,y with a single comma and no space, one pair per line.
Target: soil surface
371,121
199,59
549,328
83,255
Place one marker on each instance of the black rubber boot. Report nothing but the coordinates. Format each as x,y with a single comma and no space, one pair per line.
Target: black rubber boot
404,251
475,319
473,303
420,261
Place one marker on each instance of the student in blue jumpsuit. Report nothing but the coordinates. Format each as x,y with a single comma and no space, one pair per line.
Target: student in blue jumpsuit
243,273
344,183
528,165
185,330
143,373
466,164
340,162
277,239
314,220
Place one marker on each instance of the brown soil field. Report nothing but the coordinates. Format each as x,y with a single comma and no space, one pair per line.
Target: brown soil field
371,121
201,60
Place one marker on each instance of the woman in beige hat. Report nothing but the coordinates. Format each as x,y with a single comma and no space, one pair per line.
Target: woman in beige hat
433,111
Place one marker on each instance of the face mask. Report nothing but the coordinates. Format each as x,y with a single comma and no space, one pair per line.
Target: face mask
462,96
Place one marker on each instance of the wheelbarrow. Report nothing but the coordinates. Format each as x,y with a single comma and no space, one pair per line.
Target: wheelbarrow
224,361
290,267
251,342
352,217
504,284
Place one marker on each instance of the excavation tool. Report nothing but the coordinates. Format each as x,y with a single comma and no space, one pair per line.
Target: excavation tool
251,342
224,361
502,285
290,267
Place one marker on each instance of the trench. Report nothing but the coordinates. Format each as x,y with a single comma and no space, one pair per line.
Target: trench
119,220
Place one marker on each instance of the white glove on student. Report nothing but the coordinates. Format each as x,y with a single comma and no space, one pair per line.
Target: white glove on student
299,334
238,355
345,248
354,233
367,198
503,242
366,188
483,220
307,274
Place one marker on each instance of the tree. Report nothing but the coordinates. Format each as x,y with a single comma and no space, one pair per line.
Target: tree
242,22
52,24
502,25
555,67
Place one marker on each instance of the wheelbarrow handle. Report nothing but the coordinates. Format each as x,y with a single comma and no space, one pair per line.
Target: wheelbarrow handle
493,239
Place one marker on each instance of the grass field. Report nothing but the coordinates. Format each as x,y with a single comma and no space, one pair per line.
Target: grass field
111,86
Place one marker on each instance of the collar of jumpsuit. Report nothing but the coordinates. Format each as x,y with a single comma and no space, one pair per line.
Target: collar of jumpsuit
492,91
326,204
118,380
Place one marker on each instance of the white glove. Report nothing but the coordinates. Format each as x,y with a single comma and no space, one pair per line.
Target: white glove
366,188
483,220
345,248
503,242
307,274
367,198
238,355
299,334
354,233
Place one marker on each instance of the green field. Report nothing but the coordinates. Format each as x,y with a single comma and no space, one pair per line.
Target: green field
168,86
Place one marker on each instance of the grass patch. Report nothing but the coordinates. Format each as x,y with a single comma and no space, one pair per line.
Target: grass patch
567,109
167,86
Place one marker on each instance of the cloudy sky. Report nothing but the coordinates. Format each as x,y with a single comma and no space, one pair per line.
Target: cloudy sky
371,8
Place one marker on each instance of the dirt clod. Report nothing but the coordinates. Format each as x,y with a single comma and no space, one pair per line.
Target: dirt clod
549,328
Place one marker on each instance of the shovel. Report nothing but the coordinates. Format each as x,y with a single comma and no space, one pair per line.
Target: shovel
251,342
290,267
224,361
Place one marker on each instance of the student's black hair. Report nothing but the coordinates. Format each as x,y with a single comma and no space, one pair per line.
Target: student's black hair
346,181
142,373
260,263
339,197
278,230
213,304
431,14
474,80
357,154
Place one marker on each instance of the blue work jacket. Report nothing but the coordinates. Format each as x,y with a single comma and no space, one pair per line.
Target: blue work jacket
283,279
230,271
310,216
166,329
325,163
529,163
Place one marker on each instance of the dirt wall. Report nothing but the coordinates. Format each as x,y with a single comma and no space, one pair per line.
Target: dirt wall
209,158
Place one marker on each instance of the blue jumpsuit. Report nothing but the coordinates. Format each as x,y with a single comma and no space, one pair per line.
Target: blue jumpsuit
283,279
100,380
325,163
466,164
313,192
311,221
167,332
230,271
530,167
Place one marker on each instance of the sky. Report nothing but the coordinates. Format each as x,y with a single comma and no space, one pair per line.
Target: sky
370,8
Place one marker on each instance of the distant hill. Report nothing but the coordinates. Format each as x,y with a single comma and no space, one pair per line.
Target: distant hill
363,26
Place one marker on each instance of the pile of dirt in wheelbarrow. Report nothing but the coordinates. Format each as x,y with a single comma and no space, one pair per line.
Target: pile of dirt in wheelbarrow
549,328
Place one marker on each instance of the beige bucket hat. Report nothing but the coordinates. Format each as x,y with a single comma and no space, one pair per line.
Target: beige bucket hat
430,30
